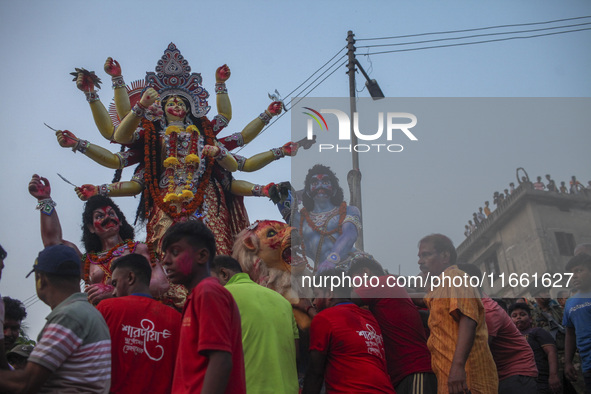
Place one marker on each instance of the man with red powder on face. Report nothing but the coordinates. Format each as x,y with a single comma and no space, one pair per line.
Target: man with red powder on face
210,357
106,235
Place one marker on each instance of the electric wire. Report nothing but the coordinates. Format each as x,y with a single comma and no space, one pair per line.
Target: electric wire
474,29
478,42
474,36
336,62
321,67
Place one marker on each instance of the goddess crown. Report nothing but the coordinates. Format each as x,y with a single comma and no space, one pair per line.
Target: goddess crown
173,77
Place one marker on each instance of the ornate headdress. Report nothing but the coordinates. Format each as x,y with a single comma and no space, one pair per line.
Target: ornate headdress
173,77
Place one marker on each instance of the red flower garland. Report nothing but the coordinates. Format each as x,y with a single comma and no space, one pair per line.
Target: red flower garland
339,228
103,259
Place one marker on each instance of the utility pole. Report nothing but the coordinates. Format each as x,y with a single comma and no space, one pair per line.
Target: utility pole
354,176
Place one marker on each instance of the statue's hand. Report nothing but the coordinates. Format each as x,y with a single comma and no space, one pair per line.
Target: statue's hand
84,192
148,98
66,138
290,149
85,82
324,266
98,292
39,187
275,108
211,151
112,67
222,74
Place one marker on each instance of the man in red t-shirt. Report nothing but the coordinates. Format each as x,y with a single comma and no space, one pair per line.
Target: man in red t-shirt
210,358
405,341
346,344
144,332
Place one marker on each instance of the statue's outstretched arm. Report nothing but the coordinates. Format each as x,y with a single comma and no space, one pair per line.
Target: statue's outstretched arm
260,160
117,189
67,139
124,133
253,128
275,191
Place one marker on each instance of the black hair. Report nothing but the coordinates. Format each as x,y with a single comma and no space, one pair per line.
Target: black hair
3,253
337,197
441,243
520,305
92,242
365,262
227,262
342,289
14,309
195,232
136,263
582,259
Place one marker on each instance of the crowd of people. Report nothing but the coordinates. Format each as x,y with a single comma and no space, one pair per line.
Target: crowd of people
235,336
574,187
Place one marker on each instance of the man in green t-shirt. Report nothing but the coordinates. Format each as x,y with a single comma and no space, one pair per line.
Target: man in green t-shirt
269,330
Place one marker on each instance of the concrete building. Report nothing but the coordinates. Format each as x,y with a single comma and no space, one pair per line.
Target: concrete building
528,238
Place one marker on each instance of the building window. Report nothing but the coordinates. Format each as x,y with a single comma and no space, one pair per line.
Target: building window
491,265
566,243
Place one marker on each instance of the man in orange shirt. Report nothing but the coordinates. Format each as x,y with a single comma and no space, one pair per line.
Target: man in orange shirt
460,356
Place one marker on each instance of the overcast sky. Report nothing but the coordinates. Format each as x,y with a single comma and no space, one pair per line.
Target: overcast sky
268,46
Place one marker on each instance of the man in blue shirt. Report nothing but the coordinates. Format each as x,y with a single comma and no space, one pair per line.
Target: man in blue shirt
577,318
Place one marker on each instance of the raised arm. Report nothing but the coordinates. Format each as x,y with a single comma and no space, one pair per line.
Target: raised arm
87,82
224,107
51,229
124,133
122,104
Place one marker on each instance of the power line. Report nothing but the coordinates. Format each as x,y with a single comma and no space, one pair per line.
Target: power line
474,36
340,50
318,84
479,42
336,62
475,29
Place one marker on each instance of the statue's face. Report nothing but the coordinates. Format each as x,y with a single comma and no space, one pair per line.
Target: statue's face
275,246
105,222
175,109
321,186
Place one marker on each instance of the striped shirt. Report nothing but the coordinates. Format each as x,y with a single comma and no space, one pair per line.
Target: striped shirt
76,347
446,305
